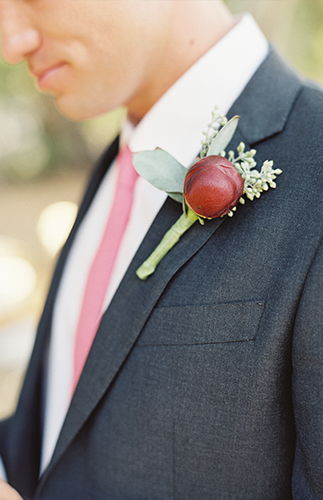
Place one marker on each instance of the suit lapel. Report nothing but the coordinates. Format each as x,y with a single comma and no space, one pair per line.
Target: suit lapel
26,438
266,102
264,106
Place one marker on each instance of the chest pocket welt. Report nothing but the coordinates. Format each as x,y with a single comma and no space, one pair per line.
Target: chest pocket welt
203,324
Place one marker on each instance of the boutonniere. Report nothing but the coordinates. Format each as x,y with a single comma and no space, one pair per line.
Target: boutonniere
212,186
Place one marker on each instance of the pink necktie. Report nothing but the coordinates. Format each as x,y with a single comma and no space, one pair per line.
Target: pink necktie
103,263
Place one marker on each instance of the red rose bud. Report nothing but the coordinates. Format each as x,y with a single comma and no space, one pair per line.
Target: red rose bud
212,187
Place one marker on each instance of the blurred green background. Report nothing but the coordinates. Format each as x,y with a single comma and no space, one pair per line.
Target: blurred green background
45,161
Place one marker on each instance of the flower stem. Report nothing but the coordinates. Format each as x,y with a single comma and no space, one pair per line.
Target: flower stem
172,236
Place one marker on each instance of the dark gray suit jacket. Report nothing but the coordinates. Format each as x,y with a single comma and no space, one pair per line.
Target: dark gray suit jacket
206,380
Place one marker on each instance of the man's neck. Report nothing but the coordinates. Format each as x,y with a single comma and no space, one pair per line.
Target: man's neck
194,27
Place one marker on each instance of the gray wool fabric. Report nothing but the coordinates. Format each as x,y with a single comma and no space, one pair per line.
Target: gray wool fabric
206,380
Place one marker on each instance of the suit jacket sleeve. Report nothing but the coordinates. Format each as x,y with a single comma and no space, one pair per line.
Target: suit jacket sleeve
307,382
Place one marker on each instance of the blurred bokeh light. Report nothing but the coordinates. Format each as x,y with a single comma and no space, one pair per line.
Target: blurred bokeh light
17,281
17,275
54,225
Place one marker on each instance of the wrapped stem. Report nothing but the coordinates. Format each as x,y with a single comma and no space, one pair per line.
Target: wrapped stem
172,236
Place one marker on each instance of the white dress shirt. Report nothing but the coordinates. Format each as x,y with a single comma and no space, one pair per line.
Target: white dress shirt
175,124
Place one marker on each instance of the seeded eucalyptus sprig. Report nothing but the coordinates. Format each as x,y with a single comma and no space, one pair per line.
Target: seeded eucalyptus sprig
255,182
213,127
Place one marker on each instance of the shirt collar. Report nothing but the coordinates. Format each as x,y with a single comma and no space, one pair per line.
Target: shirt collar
175,123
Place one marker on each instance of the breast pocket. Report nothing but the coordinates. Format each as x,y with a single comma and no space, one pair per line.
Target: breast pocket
203,324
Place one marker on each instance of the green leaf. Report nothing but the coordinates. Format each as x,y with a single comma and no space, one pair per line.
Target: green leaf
162,171
176,196
224,136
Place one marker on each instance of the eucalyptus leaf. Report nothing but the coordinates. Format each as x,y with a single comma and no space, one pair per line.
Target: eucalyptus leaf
176,196
224,136
162,170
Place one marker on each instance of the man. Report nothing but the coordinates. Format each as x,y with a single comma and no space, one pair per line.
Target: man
205,380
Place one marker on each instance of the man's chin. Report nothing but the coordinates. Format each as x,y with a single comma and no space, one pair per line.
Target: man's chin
79,109
72,111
